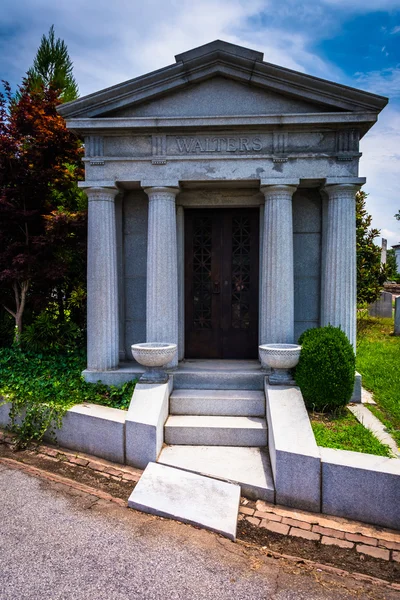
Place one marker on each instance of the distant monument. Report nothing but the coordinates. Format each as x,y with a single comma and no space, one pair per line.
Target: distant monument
384,251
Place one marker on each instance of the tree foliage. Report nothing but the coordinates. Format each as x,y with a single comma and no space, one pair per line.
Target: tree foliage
371,275
391,265
42,223
53,67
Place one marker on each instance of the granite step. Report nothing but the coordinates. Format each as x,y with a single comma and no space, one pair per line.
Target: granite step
173,493
248,467
224,379
247,403
215,431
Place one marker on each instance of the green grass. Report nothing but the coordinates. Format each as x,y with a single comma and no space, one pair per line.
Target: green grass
378,361
343,431
42,387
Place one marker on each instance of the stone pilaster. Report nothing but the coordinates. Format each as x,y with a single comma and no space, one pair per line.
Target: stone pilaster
162,270
102,281
339,290
277,283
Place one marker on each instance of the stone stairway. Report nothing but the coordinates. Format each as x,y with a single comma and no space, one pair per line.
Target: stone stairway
221,433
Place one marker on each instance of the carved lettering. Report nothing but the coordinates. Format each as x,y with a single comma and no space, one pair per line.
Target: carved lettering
184,144
200,145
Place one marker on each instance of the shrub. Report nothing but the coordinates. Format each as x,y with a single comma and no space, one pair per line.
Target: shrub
41,388
326,369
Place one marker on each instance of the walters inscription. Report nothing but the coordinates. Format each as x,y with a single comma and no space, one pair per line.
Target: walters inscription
203,145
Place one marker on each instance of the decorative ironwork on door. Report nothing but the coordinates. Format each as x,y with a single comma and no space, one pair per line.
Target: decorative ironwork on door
202,283
241,246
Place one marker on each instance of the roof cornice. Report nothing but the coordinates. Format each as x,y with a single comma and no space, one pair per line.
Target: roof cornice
227,60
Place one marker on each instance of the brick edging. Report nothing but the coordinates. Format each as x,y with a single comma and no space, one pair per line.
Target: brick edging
380,543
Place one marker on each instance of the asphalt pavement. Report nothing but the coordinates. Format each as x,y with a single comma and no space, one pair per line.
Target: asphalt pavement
57,544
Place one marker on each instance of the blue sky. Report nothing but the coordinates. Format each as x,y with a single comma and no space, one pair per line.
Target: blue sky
355,42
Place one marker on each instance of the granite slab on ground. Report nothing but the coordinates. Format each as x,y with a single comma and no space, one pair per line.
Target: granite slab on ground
188,497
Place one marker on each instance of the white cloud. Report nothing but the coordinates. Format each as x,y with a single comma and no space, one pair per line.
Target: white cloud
385,82
364,6
380,164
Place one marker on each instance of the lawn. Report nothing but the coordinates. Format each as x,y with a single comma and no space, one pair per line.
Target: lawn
44,386
378,361
343,431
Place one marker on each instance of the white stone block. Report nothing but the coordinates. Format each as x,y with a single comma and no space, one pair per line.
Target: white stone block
187,497
361,486
293,451
145,420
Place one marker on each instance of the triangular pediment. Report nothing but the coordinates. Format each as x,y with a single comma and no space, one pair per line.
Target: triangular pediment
221,79
219,96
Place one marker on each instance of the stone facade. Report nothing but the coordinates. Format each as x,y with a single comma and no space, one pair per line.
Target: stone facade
220,128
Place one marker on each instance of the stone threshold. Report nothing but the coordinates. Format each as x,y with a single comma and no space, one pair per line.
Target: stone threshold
379,542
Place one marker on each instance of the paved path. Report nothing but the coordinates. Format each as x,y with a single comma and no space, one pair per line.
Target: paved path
54,545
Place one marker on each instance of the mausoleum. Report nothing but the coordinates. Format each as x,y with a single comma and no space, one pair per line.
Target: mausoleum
221,206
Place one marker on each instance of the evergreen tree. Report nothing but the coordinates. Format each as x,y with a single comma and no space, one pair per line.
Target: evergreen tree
53,68
371,274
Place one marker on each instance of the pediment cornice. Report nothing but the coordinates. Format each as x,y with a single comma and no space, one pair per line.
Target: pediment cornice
227,60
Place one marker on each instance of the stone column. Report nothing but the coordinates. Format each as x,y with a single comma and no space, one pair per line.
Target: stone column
162,270
102,281
339,290
277,283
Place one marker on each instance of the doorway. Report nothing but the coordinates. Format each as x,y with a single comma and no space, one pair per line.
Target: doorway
221,283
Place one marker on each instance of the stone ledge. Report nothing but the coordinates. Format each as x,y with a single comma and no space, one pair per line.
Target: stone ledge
361,486
144,428
294,454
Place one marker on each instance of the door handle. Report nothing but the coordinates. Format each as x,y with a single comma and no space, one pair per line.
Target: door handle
216,287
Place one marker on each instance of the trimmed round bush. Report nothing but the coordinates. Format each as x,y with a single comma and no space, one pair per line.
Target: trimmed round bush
326,369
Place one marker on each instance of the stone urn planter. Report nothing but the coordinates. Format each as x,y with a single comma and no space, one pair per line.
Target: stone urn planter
281,358
154,356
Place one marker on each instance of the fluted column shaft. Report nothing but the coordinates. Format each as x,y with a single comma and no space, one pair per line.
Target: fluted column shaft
162,270
102,281
339,292
277,282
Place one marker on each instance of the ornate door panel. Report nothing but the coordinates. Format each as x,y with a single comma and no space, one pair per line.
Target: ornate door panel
221,281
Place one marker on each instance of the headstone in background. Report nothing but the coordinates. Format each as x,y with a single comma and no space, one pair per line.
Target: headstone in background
397,316
397,254
382,307
383,251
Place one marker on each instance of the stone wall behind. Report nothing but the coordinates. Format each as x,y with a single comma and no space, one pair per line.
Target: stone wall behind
307,226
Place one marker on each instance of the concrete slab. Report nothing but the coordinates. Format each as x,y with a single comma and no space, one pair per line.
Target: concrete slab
295,458
249,403
248,467
215,431
361,486
188,497
365,416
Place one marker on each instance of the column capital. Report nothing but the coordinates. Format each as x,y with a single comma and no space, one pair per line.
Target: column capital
101,193
334,189
278,188
162,192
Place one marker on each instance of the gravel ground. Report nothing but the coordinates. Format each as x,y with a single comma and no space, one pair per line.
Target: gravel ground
56,544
